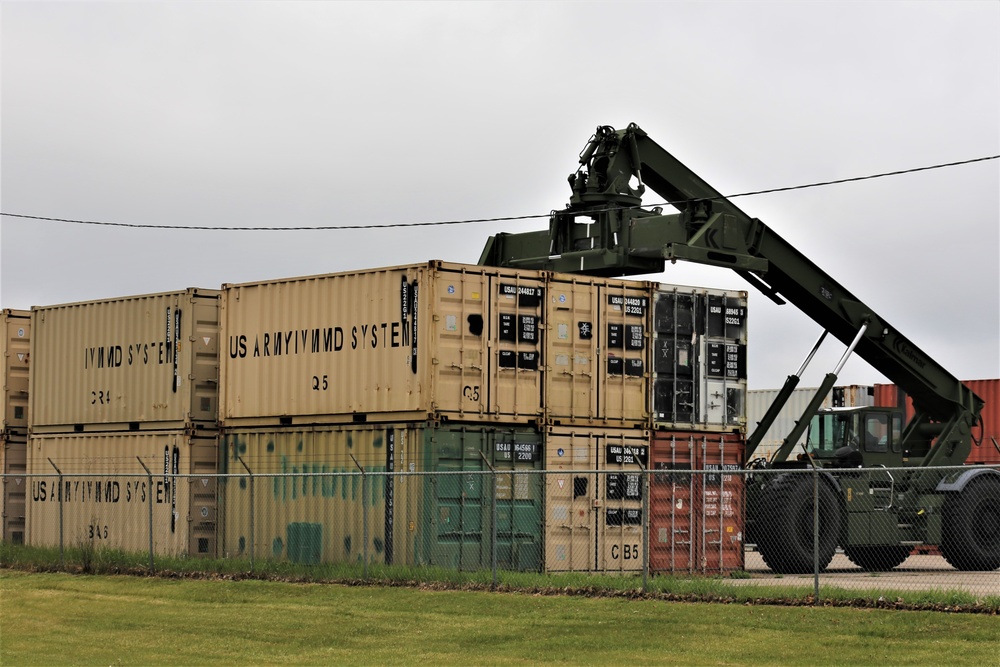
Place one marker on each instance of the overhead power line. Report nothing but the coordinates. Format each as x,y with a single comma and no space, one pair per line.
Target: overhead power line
434,223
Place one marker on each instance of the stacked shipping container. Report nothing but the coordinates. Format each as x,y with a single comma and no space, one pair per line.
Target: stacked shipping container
124,397
987,435
759,400
335,509
564,387
699,359
15,346
466,368
407,370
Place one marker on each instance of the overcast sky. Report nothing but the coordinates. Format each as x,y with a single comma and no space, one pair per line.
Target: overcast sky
307,114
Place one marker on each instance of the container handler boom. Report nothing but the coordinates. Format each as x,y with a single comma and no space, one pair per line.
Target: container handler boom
604,231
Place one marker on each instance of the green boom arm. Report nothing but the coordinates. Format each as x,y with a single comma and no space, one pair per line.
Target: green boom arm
605,232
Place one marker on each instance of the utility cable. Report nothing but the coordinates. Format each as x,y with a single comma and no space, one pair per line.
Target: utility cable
437,223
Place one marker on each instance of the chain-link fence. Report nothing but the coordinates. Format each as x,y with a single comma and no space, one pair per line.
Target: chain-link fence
911,529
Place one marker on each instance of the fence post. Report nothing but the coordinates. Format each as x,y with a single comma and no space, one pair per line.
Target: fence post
646,486
815,535
62,555
364,519
149,478
253,539
493,517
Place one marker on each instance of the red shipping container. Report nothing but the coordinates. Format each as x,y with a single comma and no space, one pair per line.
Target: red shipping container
988,450
696,519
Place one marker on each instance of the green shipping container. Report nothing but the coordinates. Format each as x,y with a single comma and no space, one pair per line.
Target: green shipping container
458,504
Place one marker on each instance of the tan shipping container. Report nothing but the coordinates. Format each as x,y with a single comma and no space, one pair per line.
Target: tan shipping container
406,343
594,499
15,347
597,352
100,481
129,363
13,465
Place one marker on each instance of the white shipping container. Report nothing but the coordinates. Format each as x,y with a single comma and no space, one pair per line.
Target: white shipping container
699,359
759,400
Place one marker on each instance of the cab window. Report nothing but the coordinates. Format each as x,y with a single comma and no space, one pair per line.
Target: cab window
876,433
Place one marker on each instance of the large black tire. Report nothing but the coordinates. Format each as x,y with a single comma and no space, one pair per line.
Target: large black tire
877,558
970,531
785,530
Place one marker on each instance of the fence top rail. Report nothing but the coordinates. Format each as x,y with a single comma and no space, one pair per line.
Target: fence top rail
726,470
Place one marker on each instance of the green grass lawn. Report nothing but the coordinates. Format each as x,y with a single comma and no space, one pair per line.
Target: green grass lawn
56,619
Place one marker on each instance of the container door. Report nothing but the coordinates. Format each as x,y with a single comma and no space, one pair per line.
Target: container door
572,344
459,323
621,457
204,344
672,493
515,389
14,462
570,499
203,509
675,359
622,395
517,458
456,505
722,398
14,349
721,504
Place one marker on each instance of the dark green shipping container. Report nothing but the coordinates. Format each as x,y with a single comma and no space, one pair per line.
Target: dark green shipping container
457,503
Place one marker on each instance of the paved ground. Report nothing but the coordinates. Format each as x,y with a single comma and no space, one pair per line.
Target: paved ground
916,573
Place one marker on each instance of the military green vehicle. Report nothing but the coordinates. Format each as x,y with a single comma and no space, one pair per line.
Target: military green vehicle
883,486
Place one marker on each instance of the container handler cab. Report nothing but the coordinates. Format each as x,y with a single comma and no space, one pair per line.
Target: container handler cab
883,486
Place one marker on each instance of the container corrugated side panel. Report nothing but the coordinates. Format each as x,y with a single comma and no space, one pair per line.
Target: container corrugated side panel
988,452
106,365
15,347
699,339
888,396
759,400
106,493
310,502
13,464
325,345
597,352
